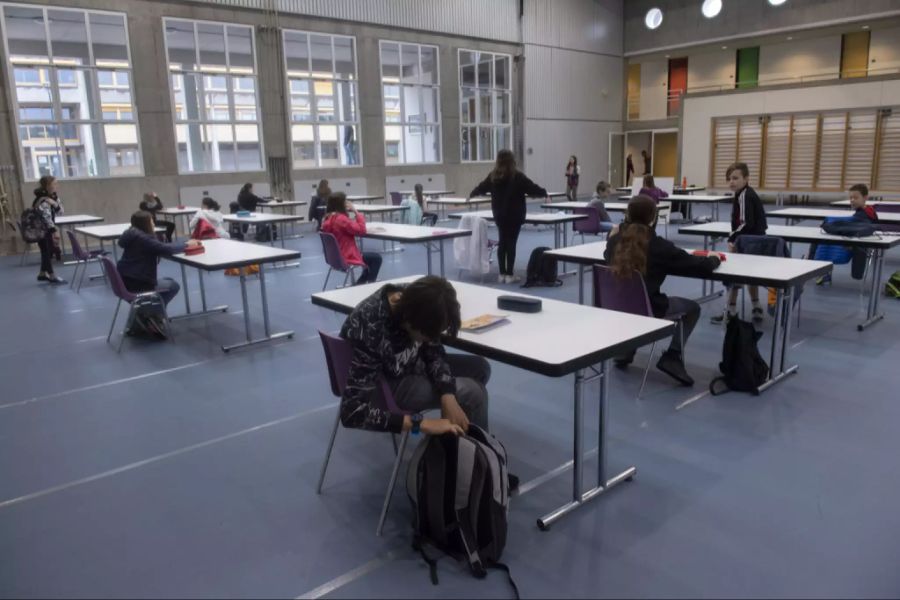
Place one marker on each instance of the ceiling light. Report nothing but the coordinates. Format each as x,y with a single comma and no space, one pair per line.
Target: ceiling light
667,56
711,8
654,18
865,26
724,47
790,37
777,2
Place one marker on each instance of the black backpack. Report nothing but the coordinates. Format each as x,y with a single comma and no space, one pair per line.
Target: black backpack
459,489
32,225
542,269
149,321
743,368
848,228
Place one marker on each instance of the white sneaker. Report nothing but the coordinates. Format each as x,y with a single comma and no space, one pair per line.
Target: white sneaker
501,278
513,279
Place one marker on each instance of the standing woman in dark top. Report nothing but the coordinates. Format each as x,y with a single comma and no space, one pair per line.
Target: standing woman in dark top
508,187
49,205
152,204
319,203
573,173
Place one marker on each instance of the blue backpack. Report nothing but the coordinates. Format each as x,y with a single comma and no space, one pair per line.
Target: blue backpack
839,255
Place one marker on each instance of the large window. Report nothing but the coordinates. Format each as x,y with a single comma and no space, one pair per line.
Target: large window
411,91
485,114
324,99
212,74
70,71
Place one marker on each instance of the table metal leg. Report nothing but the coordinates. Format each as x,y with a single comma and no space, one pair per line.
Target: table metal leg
441,242
265,299
580,284
781,340
603,484
202,289
115,247
185,290
265,308
428,257
187,300
872,314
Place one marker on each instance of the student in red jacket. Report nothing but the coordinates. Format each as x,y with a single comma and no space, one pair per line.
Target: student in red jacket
345,228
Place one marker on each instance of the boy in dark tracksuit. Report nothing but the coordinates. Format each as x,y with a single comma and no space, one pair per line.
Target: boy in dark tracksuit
748,217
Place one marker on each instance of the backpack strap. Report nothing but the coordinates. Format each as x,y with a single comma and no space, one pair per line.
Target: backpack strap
502,567
718,386
418,544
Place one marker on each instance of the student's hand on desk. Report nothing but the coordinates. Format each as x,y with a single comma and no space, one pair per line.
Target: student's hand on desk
731,247
440,427
192,243
451,411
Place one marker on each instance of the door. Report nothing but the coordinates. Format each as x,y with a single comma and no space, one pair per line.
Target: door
747,68
678,73
855,54
634,91
616,170
665,154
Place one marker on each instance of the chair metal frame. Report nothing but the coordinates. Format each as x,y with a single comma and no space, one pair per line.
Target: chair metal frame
345,267
113,277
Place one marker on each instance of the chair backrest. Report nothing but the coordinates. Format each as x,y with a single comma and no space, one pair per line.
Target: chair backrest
338,356
623,295
234,206
589,225
429,220
761,245
396,198
888,208
115,280
77,251
332,252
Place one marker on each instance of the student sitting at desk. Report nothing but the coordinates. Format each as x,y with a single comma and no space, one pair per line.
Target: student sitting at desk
211,213
651,190
598,201
859,196
634,246
141,256
338,223
396,334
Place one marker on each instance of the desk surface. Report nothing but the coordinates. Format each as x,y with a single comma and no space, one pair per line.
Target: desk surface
177,211
227,254
530,218
875,203
559,340
769,271
364,198
111,231
690,188
428,192
695,198
276,204
824,213
610,206
796,233
263,218
459,200
77,219
400,232
380,208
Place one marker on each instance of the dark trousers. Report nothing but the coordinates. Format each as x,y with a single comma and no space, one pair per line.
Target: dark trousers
166,287
686,324
373,265
46,246
170,229
506,249
416,393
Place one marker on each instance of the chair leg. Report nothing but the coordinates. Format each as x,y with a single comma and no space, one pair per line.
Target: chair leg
24,253
394,441
74,275
324,287
337,423
128,323
392,483
81,279
113,324
647,370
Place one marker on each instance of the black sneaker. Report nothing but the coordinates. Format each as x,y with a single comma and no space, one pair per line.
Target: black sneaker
824,279
722,317
42,278
672,365
757,314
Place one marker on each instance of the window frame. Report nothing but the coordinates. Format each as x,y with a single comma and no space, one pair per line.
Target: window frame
438,122
313,108
494,125
204,121
56,106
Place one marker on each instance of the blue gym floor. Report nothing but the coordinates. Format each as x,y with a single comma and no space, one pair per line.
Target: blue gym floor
175,470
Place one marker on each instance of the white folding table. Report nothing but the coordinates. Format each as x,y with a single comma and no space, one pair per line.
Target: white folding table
783,274
109,233
711,232
180,213
271,219
795,215
468,203
427,193
281,205
689,189
556,220
364,199
415,234
875,203
64,221
713,200
222,254
563,339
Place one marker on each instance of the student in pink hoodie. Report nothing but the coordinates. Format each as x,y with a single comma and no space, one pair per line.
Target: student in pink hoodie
345,228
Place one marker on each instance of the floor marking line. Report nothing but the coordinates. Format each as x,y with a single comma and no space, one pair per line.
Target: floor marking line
161,457
104,384
349,577
692,399
526,487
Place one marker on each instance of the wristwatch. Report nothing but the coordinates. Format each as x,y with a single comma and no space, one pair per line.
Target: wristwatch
416,423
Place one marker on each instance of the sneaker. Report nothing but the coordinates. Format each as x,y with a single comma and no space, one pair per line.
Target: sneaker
757,314
722,317
501,278
672,365
42,277
513,279
56,280
824,279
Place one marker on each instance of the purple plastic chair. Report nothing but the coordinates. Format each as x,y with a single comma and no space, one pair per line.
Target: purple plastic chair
338,354
592,225
396,198
628,296
82,258
335,261
122,293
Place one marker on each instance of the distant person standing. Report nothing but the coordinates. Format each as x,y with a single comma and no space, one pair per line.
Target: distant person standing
152,204
629,170
47,202
350,144
573,172
319,202
508,187
648,170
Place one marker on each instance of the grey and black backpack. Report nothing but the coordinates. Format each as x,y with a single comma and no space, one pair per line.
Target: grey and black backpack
459,489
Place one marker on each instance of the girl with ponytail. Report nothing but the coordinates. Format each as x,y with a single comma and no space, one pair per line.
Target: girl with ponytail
635,248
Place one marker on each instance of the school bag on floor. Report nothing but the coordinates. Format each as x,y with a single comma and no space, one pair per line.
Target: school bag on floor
743,367
892,287
542,269
149,320
459,489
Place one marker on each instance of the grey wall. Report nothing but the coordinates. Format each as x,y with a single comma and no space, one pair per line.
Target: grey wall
683,24
574,78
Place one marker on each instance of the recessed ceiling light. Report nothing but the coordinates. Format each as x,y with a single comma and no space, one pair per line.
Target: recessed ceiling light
711,8
724,47
667,56
777,2
790,37
654,18
865,26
